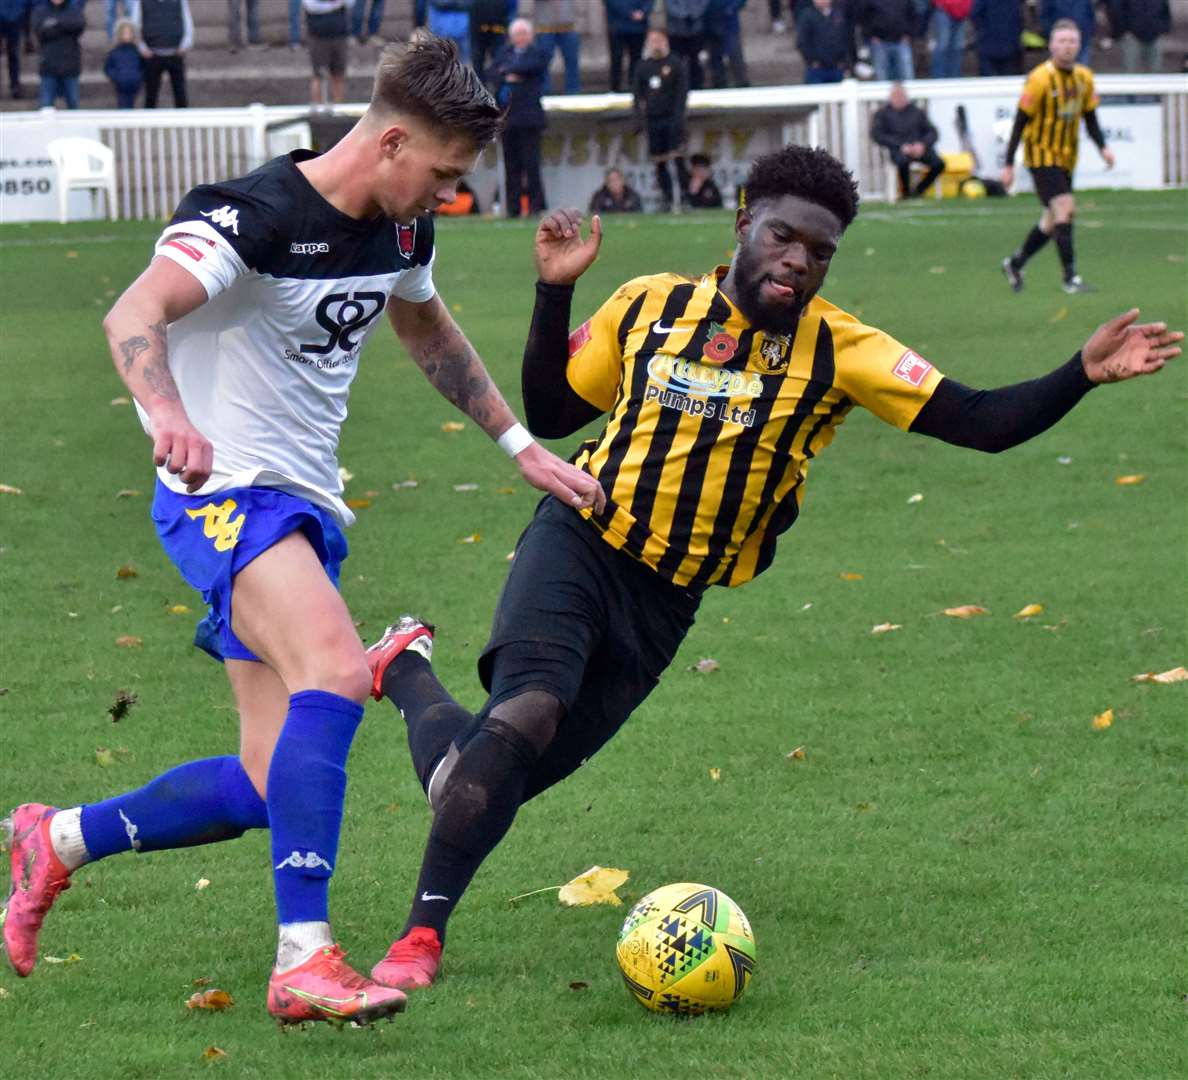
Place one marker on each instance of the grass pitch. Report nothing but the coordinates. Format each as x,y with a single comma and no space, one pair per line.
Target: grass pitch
962,878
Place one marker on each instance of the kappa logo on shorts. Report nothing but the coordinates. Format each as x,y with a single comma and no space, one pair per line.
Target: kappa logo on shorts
224,217
218,524
912,368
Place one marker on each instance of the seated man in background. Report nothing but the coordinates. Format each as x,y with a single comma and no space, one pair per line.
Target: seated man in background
615,196
704,193
907,134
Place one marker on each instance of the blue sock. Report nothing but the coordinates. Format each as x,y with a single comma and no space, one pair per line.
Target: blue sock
306,788
196,803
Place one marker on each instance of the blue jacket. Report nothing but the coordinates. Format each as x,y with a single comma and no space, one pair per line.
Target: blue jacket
999,23
721,17
1080,11
619,20
124,66
14,10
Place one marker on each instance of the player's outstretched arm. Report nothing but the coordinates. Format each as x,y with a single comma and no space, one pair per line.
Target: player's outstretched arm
135,329
1123,348
440,349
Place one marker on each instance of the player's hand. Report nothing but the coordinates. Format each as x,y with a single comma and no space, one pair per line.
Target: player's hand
1121,349
562,256
1107,155
547,472
1007,176
181,447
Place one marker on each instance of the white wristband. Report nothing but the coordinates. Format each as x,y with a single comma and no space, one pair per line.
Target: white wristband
514,440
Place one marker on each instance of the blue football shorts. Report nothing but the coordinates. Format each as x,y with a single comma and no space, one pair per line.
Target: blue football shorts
210,538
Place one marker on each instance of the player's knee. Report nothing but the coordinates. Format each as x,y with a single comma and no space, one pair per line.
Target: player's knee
530,718
344,674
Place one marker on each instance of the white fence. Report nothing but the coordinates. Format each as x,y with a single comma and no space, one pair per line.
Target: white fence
160,154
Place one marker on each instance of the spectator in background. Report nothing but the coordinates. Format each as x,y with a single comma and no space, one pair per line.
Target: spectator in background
1139,24
420,14
328,29
124,65
998,26
684,23
373,16
724,36
778,26
113,11
907,134
704,193
556,30
887,26
12,19
519,66
294,24
615,197
1082,12
166,32
660,91
58,26
948,36
626,28
825,38
235,23
489,20
451,19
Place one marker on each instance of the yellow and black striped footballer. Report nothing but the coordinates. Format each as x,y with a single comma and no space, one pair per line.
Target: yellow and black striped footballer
713,423
1055,100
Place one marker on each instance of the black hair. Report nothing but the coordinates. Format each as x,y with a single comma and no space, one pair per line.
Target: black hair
426,79
808,173
700,159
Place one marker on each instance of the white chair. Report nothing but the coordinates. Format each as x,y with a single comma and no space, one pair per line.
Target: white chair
83,164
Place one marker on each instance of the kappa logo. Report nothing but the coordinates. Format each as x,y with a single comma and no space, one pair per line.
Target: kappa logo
310,860
309,249
224,217
912,368
218,524
131,829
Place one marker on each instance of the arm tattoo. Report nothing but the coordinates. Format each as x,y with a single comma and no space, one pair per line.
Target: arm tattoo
132,347
160,381
156,374
449,363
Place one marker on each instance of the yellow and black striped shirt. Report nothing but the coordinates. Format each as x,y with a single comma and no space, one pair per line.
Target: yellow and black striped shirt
713,423
1055,100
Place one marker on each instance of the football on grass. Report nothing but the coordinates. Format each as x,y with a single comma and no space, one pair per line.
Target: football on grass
686,949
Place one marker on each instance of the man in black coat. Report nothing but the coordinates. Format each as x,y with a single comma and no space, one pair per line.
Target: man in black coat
1139,24
518,68
59,25
661,89
908,135
825,38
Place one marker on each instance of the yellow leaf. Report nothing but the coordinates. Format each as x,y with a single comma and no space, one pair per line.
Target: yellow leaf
966,611
73,958
8,489
936,269
358,504
506,490
121,401
466,487
127,493
216,1000
452,426
1061,314
1103,720
371,494
129,641
848,575
104,758
473,538
917,498
510,555
714,773
213,1053
179,609
886,627
796,755
3,993
345,475
127,571
202,883
595,886
72,254
1174,675
1029,611
1133,478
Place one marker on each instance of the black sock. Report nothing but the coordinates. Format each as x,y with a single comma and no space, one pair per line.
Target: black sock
482,795
433,717
1064,245
1035,240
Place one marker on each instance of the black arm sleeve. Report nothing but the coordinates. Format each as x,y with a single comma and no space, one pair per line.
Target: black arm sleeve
1021,119
551,407
1093,127
996,420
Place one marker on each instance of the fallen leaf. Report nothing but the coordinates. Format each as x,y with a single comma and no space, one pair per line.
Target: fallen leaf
179,609
506,490
72,254
204,981
577,984
104,758
965,611
456,308
886,627
371,494
705,666
865,807
202,883
8,489
1174,675
213,1053
358,504
1028,611
510,555
936,269
127,493
473,538
466,487
121,706
129,641
594,886
117,608
1061,313
917,498
1103,720
216,1000
452,426
127,571
869,252
715,773
1064,459
806,607
121,401
3,993
345,475
73,958
796,755
1133,478
1175,258
407,484
848,575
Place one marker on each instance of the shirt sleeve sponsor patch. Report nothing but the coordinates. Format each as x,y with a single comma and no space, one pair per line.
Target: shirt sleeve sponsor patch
912,368
196,247
579,337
